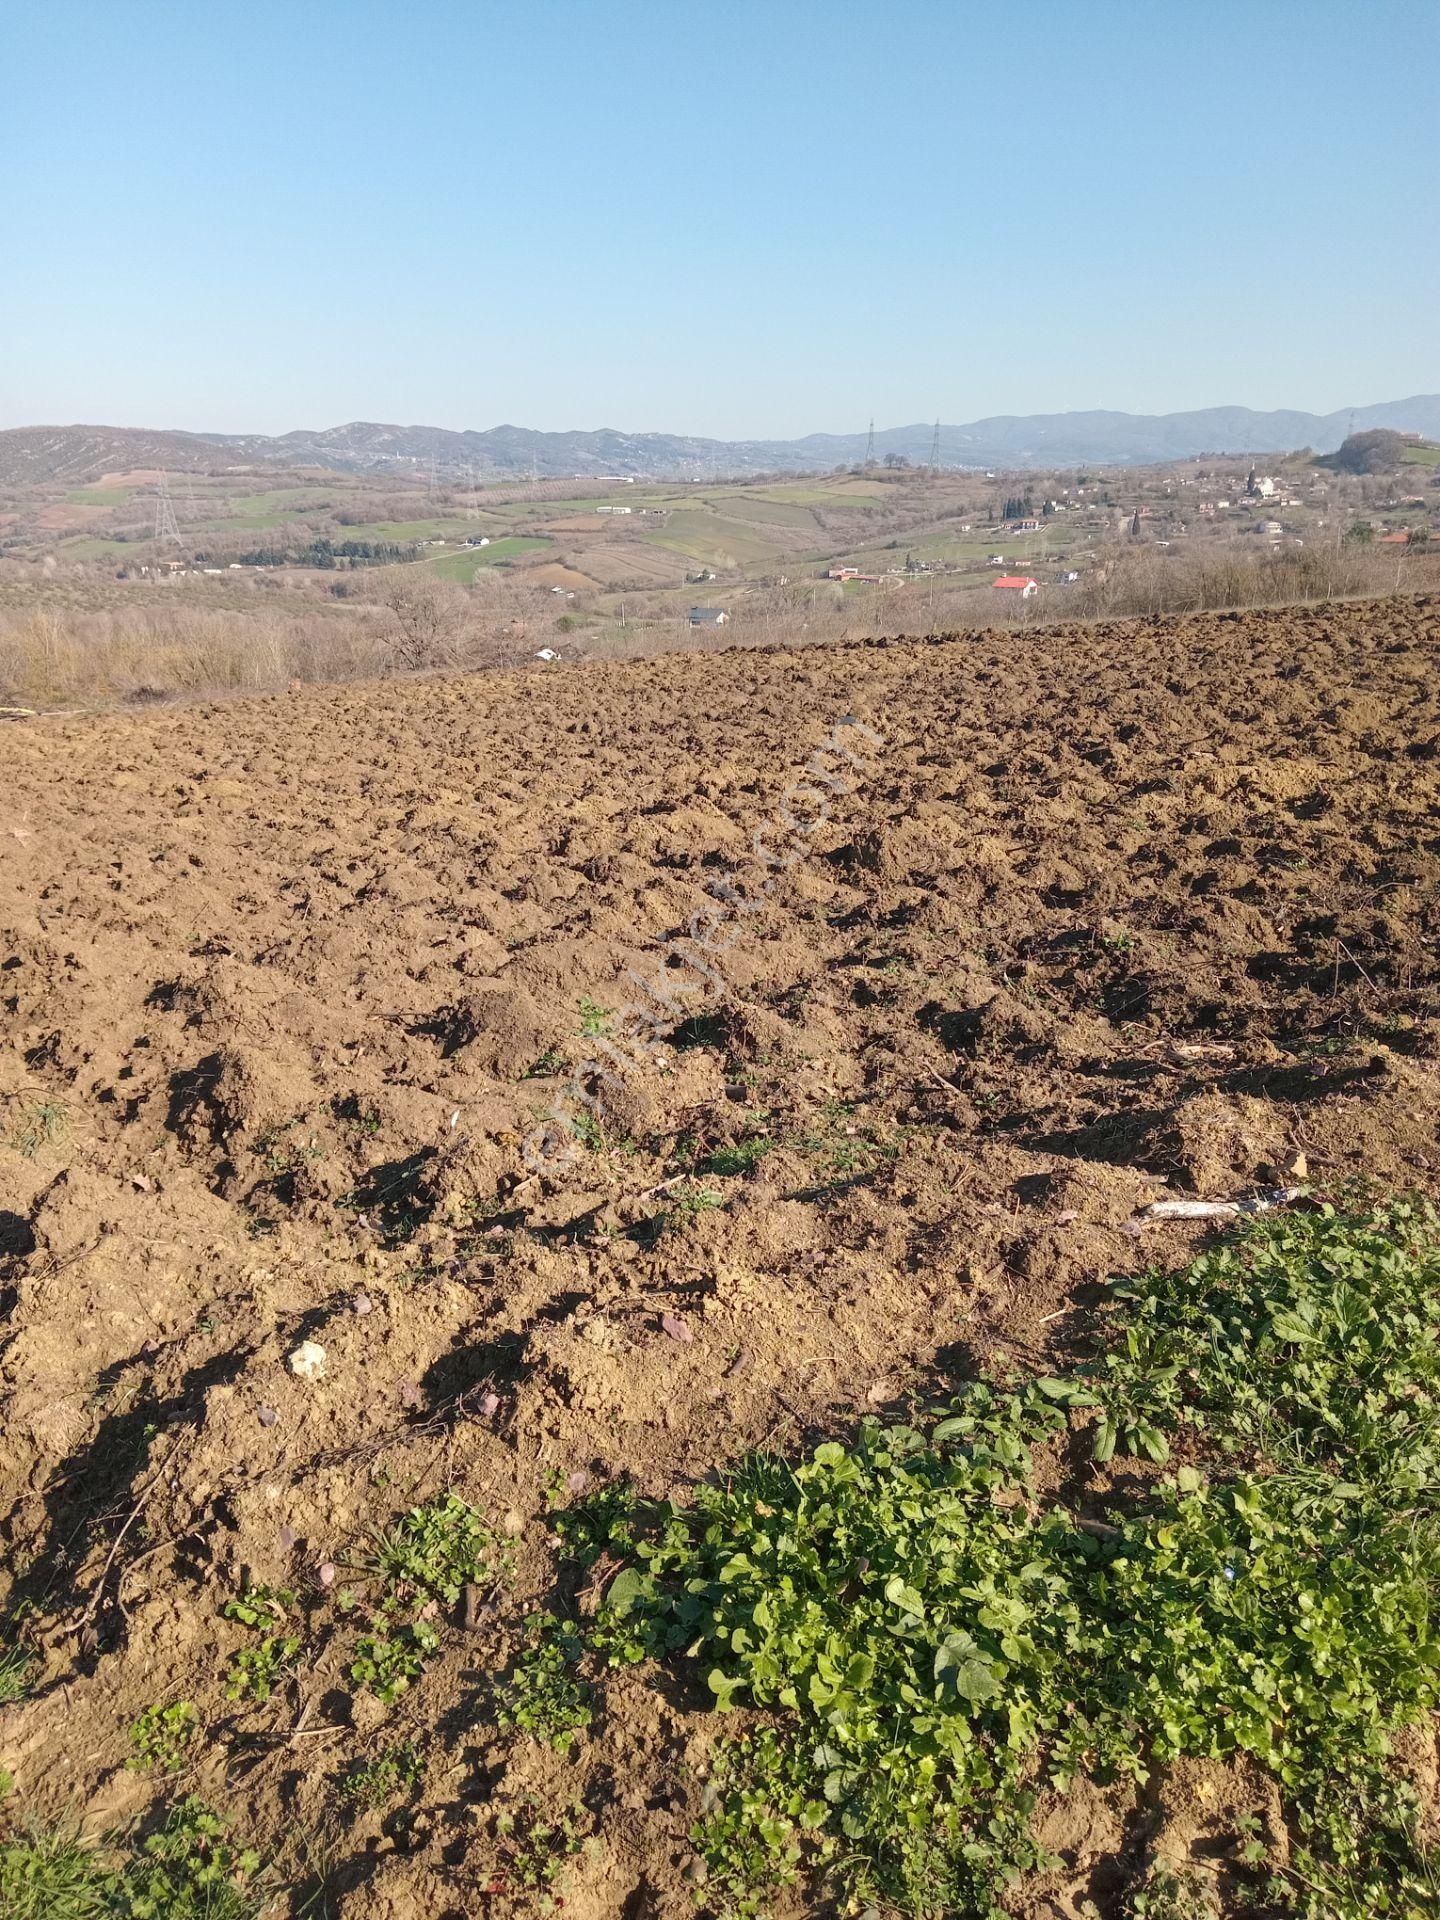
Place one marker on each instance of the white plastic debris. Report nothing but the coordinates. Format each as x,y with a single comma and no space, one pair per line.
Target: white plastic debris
307,1362
1221,1209
547,653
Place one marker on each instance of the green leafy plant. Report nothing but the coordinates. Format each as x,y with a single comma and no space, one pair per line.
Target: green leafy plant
1307,1337
687,1203
845,1150
531,1846
389,1663
436,1550
598,1527
255,1672
161,1737
426,1561
544,1695
594,1019
371,1784
282,1153
738,1157
1165,1894
266,1608
550,1062
189,1870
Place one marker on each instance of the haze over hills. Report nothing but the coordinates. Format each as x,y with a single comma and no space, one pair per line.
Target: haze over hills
78,453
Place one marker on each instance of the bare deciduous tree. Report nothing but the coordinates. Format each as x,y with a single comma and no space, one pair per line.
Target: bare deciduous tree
429,615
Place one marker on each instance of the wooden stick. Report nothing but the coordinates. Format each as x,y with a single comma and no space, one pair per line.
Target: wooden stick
93,1604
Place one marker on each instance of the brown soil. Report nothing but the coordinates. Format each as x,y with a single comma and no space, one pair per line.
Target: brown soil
1110,908
552,574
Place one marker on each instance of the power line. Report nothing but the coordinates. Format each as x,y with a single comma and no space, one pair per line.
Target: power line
165,523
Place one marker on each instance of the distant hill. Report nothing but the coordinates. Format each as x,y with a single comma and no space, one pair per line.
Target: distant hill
1004,441
45,455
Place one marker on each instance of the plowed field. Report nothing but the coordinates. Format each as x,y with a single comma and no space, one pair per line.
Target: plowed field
607,1095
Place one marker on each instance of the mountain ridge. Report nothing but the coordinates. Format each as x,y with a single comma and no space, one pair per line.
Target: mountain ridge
1098,437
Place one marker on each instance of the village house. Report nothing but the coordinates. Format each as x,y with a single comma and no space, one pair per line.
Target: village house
708,616
1018,583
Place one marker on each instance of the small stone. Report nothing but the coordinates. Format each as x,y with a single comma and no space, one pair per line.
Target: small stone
307,1362
1297,1167
363,1303
677,1328
267,1416
325,1573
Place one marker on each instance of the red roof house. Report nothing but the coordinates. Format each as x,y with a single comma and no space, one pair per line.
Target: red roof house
1018,583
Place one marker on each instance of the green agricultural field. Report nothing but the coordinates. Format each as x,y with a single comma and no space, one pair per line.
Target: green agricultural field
1427,456
765,511
406,532
713,538
465,564
1021,548
812,495
269,509
100,496
88,547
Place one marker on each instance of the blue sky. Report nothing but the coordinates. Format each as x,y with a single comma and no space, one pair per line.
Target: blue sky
738,219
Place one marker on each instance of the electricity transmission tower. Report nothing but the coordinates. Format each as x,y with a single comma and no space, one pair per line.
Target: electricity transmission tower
165,524
472,508
935,449
870,445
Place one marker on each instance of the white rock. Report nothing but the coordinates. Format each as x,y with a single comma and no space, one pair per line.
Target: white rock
307,1362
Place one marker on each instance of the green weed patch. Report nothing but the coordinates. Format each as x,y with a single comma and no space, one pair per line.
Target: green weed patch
927,1641
188,1869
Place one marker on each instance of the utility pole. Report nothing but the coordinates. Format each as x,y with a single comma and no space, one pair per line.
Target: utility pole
165,525
870,444
935,449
